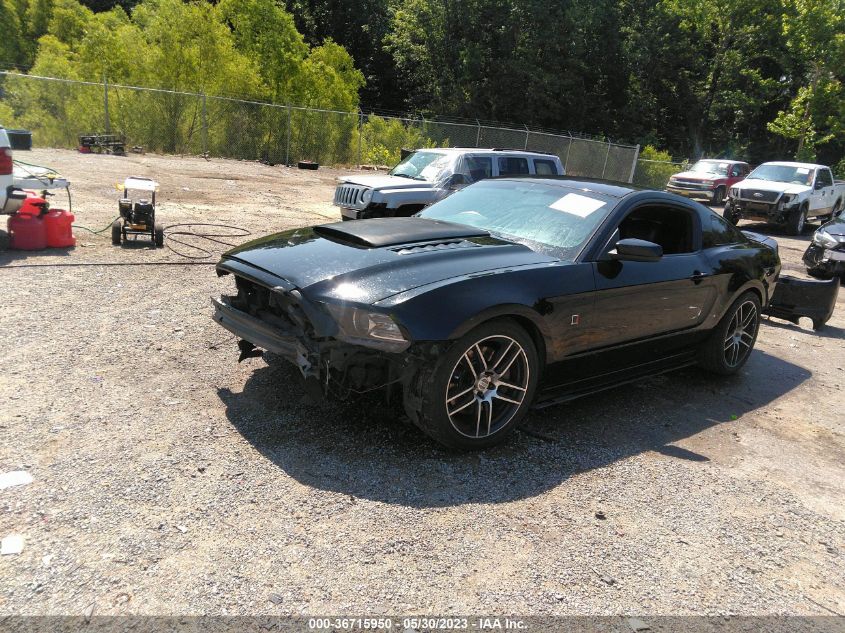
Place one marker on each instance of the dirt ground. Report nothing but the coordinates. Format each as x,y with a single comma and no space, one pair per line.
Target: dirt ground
168,479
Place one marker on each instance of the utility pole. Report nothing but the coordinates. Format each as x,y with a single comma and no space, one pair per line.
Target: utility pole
106,102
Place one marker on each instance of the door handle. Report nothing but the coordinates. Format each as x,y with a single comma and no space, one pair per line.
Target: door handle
698,276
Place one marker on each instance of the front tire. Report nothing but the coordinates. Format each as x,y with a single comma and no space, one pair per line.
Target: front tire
730,215
732,340
718,196
796,221
481,388
116,232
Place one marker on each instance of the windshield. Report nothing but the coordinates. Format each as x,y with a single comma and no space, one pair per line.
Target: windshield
784,173
422,166
710,167
547,218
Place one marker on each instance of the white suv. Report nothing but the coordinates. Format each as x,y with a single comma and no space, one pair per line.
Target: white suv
428,175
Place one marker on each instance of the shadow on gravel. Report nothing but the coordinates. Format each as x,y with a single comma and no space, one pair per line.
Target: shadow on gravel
366,450
828,331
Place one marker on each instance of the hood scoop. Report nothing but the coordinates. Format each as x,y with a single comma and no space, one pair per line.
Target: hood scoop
432,246
382,232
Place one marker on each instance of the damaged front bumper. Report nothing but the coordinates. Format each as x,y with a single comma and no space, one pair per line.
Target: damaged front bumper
825,260
261,334
775,212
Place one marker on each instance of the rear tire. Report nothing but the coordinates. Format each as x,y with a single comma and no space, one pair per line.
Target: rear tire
481,388
796,221
116,232
159,235
730,344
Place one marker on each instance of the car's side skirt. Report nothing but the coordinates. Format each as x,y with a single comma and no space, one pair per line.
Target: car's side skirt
579,387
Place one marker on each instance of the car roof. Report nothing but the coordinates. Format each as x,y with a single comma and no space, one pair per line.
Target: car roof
721,160
485,150
607,188
786,163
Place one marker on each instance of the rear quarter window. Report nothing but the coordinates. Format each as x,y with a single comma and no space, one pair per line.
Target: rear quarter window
543,167
719,232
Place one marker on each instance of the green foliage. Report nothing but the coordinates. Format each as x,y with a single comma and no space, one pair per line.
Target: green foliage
240,49
752,79
12,47
384,139
654,167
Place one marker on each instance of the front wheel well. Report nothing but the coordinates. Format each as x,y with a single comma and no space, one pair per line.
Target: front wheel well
522,321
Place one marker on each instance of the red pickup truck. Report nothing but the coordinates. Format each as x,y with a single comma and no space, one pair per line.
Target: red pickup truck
709,179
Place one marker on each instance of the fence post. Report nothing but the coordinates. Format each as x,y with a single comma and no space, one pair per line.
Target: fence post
287,146
204,127
106,102
478,136
360,138
634,163
566,160
526,136
606,156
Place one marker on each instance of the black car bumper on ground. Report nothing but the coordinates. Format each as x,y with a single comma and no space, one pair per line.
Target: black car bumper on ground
821,260
794,298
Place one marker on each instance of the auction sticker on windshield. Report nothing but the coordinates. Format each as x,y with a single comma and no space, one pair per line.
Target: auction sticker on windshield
576,204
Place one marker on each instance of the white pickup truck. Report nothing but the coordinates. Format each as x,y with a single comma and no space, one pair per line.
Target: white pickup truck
786,193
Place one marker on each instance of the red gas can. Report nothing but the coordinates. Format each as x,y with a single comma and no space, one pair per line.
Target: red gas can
27,232
33,205
57,223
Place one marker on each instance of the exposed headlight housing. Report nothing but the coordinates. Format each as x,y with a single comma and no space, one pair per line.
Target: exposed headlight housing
787,198
366,196
824,239
360,326
734,192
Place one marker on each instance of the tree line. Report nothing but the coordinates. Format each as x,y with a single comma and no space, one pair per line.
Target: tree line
752,79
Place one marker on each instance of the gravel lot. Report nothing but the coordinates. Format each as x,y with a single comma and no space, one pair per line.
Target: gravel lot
168,479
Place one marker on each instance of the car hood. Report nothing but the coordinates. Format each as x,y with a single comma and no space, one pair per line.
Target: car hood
381,182
768,185
697,175
369,260
835,227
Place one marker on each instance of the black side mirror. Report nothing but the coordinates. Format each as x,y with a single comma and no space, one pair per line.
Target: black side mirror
819,185
634,250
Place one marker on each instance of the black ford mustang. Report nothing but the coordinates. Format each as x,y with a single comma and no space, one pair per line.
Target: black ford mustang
508,293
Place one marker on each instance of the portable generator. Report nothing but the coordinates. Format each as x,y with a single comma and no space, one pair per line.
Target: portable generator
137,217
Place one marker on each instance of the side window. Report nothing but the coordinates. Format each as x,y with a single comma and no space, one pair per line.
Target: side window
543,167
736,170
671,227
479,167
825,178
512,166
719,232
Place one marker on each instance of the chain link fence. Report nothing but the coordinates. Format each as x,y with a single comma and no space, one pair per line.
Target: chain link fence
58,111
